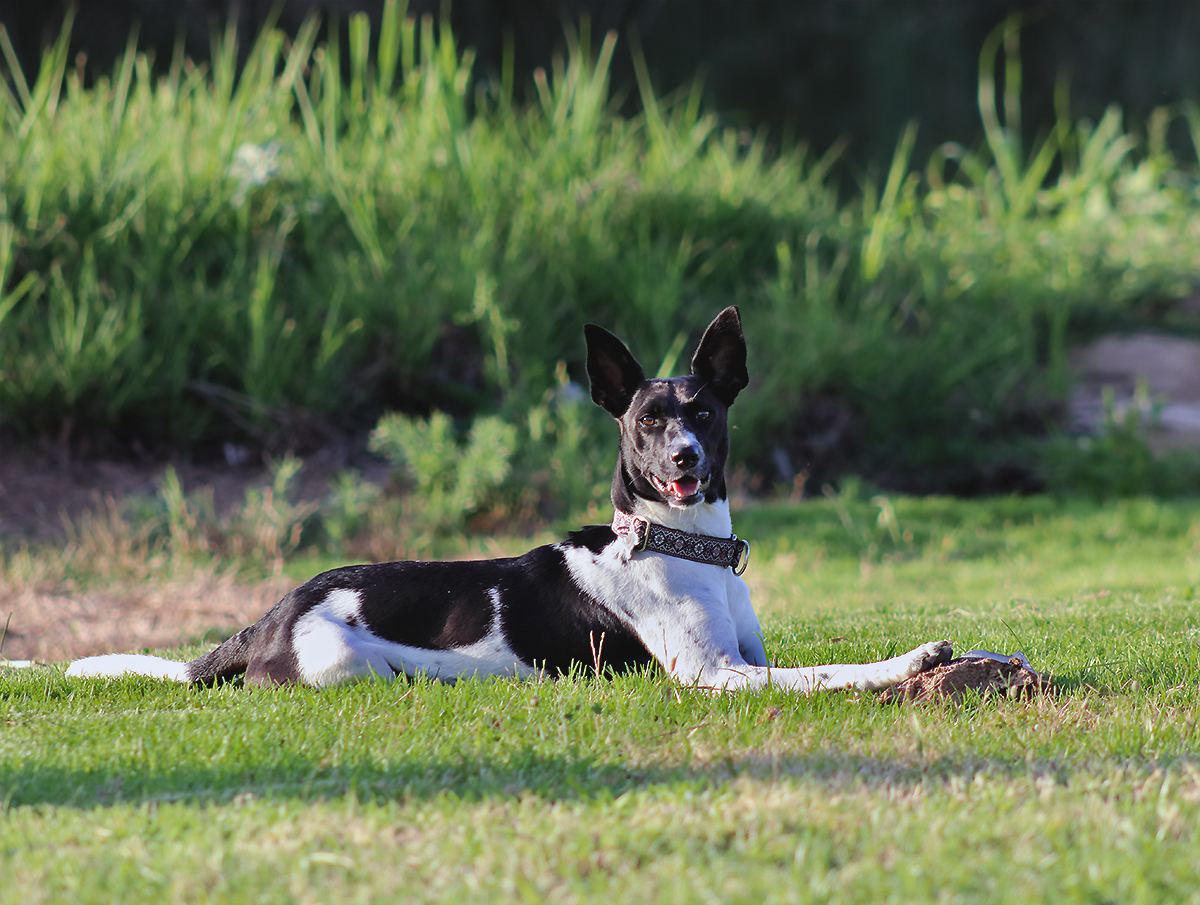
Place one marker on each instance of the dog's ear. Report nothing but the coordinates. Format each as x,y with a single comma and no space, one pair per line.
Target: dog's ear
720,359
614,373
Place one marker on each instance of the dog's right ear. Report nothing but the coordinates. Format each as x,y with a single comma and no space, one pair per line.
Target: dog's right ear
614,372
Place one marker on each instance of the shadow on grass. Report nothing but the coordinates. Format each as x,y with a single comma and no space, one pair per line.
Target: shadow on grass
145,720
554,778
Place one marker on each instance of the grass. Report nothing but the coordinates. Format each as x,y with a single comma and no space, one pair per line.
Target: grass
317,240
633,789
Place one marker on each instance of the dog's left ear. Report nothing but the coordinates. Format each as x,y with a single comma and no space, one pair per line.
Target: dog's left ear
613,371
720,359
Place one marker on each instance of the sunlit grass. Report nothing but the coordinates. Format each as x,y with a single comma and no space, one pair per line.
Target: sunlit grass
632,788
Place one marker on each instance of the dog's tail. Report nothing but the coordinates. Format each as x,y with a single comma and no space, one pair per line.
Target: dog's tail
228,661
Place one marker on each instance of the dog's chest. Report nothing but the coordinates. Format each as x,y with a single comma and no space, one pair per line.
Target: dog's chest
664,600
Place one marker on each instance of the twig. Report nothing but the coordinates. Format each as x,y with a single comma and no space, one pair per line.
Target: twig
596,651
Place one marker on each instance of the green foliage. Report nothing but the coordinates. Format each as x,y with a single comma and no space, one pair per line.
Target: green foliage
566,449
951,334
208,252
453,478
346,512
263,529
150,536
268,523
553,458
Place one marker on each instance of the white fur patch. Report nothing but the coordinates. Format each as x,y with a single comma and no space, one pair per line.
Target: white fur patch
111,665
330,652
701,518
678,609
697,621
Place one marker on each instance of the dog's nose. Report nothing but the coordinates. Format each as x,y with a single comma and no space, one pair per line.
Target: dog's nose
686,457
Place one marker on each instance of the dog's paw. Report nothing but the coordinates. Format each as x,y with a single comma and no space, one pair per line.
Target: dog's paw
931,654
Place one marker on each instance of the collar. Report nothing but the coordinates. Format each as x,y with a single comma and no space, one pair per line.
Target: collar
703,548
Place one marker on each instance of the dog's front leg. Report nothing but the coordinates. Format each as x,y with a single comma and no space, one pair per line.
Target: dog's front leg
807,679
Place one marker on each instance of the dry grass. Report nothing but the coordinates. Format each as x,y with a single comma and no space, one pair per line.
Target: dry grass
58,622
110,589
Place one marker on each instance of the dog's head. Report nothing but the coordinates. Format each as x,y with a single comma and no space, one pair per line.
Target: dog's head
674,432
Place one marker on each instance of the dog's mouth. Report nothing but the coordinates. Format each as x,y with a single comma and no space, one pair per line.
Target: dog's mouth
684,489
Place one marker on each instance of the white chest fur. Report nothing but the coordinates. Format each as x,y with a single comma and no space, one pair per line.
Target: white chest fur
690,616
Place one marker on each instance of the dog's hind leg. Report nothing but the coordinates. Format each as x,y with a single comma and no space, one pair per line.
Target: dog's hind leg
327,652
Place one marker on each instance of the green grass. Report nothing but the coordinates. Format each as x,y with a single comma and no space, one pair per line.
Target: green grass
632,789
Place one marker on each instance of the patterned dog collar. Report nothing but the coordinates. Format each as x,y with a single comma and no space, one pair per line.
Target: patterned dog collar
714,551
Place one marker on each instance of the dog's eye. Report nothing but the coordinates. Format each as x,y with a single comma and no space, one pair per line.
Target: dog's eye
703,415
648,420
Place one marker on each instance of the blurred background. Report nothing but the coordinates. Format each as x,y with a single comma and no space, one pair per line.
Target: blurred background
816,69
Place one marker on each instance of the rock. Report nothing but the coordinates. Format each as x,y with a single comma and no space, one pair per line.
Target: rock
1170,367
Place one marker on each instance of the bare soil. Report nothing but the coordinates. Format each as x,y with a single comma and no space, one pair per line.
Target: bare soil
1170,368
41,492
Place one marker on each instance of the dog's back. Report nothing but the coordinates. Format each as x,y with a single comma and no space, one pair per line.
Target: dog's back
516,616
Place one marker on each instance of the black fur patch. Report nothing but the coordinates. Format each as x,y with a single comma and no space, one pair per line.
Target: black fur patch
548,622
553,625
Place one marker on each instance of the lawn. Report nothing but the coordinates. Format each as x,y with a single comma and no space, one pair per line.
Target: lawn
632,789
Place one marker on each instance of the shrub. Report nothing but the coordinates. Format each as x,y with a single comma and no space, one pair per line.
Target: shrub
453,477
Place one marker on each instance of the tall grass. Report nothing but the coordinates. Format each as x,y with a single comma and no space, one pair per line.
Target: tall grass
207,251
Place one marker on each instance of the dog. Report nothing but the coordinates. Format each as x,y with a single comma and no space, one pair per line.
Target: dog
660,585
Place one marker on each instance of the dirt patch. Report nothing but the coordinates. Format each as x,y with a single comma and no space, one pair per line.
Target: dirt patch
50,619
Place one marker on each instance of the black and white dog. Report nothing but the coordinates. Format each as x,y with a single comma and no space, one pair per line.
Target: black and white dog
660,585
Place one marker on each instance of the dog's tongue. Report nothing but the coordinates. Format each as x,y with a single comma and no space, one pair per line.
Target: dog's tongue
684,487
